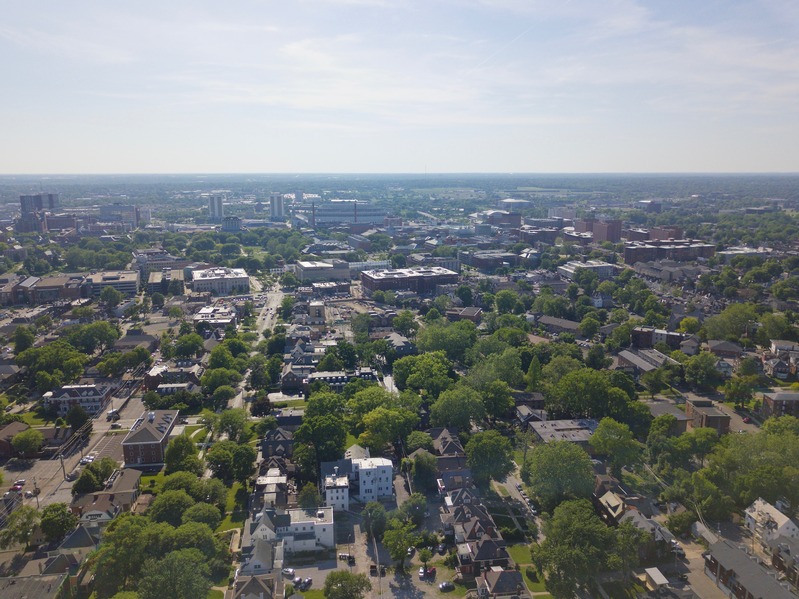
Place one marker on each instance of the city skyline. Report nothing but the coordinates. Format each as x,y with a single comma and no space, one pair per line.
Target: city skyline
370,86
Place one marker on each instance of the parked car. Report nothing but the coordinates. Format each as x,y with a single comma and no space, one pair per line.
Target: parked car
411,551
116,425
16,488
446,586
306,584
21,482
288,572
421,572
442,549
747,419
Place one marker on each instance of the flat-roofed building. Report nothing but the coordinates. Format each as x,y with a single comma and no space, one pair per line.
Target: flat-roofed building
124,281
309,271
603,270
574,431
221,280
419,280
145,444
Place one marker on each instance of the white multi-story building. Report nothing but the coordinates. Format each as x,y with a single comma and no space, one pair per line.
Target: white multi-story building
367,479
221,280
375,478
337,492
92,398
603,270
299,530
276,210
766,522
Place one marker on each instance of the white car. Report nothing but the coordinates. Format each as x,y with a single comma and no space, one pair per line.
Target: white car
288,572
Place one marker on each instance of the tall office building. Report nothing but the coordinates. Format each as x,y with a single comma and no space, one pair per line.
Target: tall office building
276,210
31,203
216,211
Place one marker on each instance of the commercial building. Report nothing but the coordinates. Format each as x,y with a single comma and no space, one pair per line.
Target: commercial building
124,213
124,281
145,444
603,270
38,202
231,224
489,260
211,317
339,212
419,280
221,280
704,414
575,431
156,259
665,232
679,250
92,398
309,271
368,479
216,210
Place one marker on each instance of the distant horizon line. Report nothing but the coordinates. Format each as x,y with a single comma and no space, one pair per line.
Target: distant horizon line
393,173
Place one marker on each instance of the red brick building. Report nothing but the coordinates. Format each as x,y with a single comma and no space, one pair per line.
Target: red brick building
145,444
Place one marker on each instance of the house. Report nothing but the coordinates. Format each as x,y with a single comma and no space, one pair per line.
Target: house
289,418
724,349
145,444
136,338
498,582
725,368
690,346
368,479
766,522
640,361
446,442
400,344
7,433
119,495
299,530
476,556
559,325
785,558
279,441
739,574
258,587
777,368
779,403
703,414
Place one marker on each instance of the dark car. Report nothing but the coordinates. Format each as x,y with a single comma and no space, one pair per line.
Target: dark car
442,549
446,586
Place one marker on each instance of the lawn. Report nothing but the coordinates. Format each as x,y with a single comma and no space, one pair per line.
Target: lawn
235,508
502,490
152,482
617,590
34,418
520,553
313,594
191,429
215,594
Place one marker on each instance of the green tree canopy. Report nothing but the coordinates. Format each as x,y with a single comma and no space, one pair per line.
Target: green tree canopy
490,456
558,471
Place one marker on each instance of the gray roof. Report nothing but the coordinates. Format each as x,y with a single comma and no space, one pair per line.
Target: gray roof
749,574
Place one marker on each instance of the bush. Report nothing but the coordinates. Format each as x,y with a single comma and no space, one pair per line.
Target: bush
531,573
680,524
511,534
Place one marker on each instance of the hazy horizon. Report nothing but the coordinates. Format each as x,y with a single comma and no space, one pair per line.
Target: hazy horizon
404,86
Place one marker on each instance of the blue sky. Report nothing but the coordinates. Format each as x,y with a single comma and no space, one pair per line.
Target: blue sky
399,86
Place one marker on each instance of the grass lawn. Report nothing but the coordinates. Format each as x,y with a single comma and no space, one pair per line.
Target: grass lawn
215,594
152,482
502,490
34,418
313,594
235,508
617,590
520,553
191,429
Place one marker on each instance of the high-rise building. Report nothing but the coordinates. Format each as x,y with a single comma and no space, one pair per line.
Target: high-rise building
216,211
276,210
39,201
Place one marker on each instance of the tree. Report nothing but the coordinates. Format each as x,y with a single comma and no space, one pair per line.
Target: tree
327,435
87,483
533,378
374,519
77,417
452,338
589,326
490,456
222,395
740,390
575,548
700,370
457,408
341,584
188,346
57,521
157,300
111,297
309,497
24,337
182,574
405,324
418,440
425,555
497,399
424,470
414,508
398,537
243,465
626,548
505,300
615,440
465,294
182,455
221,357
19,526
386,425
330,362
558,471
690,325
220,459
204,513
169,507
596,358
28,442
429,372
232,422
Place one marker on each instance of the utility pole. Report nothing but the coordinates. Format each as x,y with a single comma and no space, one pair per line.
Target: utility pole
63,468
36,492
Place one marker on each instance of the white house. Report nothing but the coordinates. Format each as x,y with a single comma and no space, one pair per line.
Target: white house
766,522
300,530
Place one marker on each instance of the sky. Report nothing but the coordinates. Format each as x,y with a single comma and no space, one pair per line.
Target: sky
360,86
